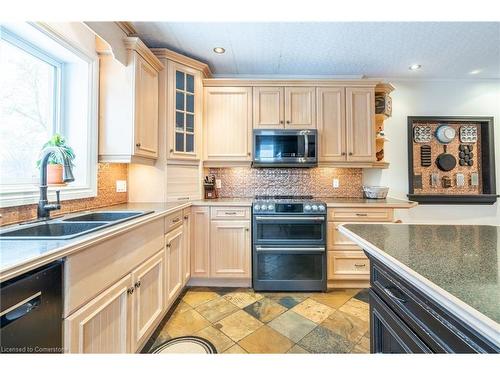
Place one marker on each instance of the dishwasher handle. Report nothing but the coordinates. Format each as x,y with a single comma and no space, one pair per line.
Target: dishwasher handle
20,309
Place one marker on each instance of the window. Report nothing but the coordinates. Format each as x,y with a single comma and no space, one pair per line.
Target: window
29,107
48,85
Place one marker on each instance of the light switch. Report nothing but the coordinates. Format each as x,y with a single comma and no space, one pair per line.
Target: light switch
335,183
460,179
121,186
218,183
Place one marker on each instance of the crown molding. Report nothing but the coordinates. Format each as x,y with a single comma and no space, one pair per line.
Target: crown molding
136,44
363,82
127,27
182,59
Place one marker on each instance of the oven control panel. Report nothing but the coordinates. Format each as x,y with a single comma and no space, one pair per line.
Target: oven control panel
289,207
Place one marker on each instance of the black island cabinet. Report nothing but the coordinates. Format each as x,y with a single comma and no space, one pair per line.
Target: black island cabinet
405,320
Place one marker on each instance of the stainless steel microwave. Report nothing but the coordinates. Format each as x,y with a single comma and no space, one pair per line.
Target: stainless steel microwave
285,148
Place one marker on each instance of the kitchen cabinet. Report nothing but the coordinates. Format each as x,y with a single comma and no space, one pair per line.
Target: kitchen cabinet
148,298
186,254
102,325
331,124
347,265
174,243
200,241
284,107
128,105
184,112
228,123
360,124
230,248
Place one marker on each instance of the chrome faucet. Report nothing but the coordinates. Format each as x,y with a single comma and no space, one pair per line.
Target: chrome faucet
44,207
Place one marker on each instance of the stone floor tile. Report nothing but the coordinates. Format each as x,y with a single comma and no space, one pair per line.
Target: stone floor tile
348,326
265,309
216,309
297,349
266,340
216,337
238,325
181,307
243,298
312,310
357,308
185,323
335,298
363,296
292,325
195,298
322,340
235,349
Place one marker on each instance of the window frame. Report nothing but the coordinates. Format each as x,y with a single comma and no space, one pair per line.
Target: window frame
28,193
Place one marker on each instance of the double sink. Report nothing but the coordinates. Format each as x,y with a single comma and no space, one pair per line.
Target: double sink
70,227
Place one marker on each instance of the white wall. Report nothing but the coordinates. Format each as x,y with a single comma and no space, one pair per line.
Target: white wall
436,98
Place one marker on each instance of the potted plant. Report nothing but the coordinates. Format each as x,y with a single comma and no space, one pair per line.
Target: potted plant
54,167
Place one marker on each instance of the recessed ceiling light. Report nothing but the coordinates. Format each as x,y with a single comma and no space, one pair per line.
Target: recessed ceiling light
219,50
475,71
415,67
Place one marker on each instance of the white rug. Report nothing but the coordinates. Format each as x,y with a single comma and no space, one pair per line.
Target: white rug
186,345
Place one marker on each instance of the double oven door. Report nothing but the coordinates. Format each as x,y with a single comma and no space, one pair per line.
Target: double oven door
289,252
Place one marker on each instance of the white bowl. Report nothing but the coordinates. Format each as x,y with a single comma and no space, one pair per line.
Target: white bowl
375,192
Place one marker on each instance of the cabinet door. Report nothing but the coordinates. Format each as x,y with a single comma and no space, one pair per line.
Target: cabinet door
331,124
149,297
186,253
146,111
103,324
230,248
360,120
300,108
174,243
184,106
268,107
228,123
200,242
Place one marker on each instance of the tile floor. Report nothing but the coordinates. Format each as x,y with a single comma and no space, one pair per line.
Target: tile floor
243,321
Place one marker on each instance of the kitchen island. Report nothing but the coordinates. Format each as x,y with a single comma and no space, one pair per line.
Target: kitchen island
434,288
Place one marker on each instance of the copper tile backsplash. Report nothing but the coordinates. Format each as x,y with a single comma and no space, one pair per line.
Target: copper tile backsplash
106,196
248,182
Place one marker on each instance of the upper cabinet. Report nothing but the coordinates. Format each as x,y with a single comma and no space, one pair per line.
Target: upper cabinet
228,123
185,111
346,124
284,107
128,105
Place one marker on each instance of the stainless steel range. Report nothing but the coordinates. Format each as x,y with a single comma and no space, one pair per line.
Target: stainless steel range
289,243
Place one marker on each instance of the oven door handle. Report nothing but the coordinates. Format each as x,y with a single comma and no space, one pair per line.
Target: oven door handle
290,249
294,218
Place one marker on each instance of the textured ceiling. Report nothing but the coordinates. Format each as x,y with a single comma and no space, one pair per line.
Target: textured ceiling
373,49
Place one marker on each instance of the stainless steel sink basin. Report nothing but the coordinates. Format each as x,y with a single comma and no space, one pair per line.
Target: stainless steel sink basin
67,228
51,230
107,216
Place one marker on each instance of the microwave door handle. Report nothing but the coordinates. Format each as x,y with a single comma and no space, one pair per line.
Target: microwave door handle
306,146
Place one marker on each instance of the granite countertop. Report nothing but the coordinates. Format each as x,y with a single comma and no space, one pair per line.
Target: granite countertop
363,202
223,202
457,265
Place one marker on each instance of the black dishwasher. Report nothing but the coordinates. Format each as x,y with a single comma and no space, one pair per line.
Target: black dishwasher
31,312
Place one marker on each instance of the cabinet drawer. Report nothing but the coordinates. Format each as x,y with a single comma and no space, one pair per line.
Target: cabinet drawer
337,241
360,214
173,221
229,213
348,265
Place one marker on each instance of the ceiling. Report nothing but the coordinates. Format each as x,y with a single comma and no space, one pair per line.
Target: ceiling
372,49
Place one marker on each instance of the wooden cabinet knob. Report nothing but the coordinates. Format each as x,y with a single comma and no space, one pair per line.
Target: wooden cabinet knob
287,121
342,153
249,154
281,121
350,153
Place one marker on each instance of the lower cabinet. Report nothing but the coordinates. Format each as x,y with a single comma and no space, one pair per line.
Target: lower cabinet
121,318
230,248
186,254
174,243
200,242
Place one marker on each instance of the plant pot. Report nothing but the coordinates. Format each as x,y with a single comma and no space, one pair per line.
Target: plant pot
55,174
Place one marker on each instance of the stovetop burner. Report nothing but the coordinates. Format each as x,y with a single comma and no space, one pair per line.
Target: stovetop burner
287,197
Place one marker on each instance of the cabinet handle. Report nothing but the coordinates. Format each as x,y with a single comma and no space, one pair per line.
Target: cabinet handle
249,154
287,121
342,153
183,198
130,290
138,144
137,284
169,245
350,153
186,217
360,214
388,290
281,121
176,220
171,150
230,213
360,265
247,230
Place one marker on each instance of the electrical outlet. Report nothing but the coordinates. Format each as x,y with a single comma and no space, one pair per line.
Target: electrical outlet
121,186
218,183
335,183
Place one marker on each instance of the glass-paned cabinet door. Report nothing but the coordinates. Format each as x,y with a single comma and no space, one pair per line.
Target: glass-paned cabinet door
184,112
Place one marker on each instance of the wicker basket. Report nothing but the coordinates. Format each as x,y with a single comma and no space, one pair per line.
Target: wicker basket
375,192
